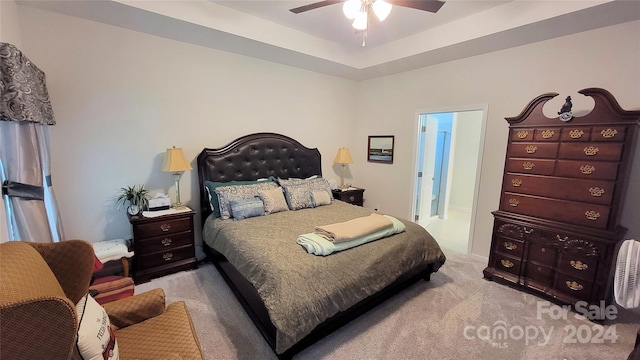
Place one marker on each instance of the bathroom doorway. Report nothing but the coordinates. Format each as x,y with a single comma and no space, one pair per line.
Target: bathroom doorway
448,158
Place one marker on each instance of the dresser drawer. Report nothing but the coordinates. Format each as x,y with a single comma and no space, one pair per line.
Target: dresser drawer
534,150
166,257
578,133
591,215
596,170
545,254
547,134
159,228
574,265
507,264
574,287
592,191
592,151
609,133
166,242
542,275
531,166
509,246
522,134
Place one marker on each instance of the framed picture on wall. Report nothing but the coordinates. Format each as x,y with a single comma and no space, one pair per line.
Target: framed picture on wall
380,149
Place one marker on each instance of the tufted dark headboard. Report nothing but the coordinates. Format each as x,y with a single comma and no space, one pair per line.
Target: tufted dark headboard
255,156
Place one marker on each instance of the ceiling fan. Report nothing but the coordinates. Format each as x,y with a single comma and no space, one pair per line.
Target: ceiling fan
359,10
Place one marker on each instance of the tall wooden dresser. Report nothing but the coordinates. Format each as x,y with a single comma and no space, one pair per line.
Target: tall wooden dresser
557,227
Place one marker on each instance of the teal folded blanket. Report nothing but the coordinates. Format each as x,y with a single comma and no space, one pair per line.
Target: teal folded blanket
318,245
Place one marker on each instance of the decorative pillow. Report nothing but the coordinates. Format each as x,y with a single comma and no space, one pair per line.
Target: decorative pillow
96,340
237,192
295,180
211,186
273,200
298,195
320,184
320,197
245,208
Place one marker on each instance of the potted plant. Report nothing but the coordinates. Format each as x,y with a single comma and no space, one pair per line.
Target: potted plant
137,196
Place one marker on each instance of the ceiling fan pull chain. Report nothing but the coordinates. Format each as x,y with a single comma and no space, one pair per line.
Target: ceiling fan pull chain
365,31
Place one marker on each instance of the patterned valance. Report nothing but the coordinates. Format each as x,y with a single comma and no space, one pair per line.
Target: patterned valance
23,91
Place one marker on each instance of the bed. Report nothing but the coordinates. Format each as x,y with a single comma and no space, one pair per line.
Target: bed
295,298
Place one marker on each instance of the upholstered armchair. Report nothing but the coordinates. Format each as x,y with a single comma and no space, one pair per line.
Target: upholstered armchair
40,285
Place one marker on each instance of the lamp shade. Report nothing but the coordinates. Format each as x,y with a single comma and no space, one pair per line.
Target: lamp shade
175,161
343,156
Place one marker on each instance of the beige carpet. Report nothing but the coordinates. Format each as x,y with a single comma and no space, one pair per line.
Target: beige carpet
457,315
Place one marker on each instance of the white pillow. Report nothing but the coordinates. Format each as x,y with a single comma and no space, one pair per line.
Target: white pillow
95,339
320,197
273,200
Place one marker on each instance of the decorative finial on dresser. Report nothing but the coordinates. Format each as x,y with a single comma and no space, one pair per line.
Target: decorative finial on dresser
565,111
566,107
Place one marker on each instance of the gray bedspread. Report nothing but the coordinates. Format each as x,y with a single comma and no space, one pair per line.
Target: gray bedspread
301,290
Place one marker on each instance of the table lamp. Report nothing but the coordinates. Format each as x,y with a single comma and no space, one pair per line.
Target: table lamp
176,163
343,158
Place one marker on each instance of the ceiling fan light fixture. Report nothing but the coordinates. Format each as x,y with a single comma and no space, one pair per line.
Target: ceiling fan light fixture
360,22
351,8
382,9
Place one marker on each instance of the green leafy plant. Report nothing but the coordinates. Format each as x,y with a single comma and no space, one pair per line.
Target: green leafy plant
136,195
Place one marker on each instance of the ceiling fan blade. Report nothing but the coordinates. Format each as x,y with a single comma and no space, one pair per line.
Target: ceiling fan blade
314,6
425,5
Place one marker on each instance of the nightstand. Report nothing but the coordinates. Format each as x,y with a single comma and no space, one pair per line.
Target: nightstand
162,245
352,195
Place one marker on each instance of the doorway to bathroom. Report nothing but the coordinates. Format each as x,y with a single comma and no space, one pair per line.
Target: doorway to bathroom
449,152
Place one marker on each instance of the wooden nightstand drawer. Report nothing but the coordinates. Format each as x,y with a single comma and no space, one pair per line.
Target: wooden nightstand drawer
166,257
169,241
353,196
161,227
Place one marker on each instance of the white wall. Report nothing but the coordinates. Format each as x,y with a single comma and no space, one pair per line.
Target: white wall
465,159
121,98
9,23
507,81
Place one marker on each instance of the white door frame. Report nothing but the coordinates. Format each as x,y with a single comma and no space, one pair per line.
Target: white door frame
416,157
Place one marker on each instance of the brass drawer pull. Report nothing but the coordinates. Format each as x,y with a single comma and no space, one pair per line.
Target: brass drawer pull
574,286
596,191
609,133
516,182
528,231
579,265
531,149
352,198
522,134
591,150
165,227
514,202
547,134
510,246
592,215
527,165
507,263
587,169
561,239
576,133
166,241
167,256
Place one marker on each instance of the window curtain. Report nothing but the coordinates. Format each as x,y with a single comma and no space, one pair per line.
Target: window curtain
25,116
